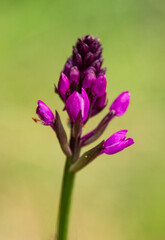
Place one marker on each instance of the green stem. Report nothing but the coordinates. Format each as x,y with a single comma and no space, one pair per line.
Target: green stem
65,201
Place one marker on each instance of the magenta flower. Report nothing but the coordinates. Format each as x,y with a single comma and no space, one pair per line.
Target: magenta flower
44,113
117,142
121,103
77,102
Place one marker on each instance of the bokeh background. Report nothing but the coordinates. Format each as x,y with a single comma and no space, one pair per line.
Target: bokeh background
119,197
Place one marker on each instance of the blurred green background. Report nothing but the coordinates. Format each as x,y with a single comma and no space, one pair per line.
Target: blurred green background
119,197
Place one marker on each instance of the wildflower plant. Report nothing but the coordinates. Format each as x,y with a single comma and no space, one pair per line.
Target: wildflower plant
82,88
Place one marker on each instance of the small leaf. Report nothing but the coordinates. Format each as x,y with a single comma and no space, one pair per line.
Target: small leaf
77,126
87,157
61,135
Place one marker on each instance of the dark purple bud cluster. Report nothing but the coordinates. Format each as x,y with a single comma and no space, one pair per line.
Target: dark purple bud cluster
84,70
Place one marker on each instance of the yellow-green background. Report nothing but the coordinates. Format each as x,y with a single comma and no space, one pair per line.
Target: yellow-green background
119,197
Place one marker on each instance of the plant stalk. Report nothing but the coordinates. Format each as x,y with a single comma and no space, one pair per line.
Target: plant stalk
65,201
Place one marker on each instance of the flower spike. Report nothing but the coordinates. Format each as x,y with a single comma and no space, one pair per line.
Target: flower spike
82,88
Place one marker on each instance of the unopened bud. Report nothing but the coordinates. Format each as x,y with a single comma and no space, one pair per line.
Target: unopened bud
44,113
74,75
99,86
121,103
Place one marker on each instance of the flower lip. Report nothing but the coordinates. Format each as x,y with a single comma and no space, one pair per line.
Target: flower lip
116,137
44,113
121,103
117,142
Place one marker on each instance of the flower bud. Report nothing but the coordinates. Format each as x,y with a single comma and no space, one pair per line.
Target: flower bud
117,142
121,103
90,77
88,59
95,44
77,60
99,104
83,48
99,86
44,113
68,66
77,102
74,75
98,52
97,63
63,85
101,101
